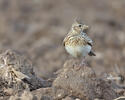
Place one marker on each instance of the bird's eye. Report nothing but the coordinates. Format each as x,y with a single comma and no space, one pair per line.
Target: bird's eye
80,25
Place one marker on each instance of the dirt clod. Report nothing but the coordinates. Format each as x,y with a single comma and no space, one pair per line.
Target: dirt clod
81,83
16,74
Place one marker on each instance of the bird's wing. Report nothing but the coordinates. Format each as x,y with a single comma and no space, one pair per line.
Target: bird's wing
89,43
87,39
65,39
91,53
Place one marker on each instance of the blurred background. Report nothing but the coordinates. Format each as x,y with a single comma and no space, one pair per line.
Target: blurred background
37,28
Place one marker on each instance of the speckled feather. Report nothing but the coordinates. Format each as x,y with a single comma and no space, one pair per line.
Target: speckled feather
77,43
75,40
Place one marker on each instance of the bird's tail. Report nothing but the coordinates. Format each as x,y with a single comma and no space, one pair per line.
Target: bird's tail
91,53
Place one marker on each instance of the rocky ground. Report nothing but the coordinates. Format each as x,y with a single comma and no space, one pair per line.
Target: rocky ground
35,29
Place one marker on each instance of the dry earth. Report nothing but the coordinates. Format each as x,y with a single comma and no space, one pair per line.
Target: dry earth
36,28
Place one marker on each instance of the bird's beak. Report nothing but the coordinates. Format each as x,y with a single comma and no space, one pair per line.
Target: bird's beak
85,27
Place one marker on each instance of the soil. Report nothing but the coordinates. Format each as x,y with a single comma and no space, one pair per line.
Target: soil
31,35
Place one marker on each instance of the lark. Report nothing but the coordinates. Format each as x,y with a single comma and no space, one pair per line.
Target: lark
77,42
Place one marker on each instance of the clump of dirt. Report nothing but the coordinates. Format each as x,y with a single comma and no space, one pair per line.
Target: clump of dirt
25,95
43,93
81,82
16,74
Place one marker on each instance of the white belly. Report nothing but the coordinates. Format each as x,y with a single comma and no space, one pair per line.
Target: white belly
77,51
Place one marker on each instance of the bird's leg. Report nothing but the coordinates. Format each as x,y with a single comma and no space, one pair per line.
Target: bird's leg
83,63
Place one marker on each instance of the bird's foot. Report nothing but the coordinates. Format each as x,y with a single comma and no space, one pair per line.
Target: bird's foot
83,63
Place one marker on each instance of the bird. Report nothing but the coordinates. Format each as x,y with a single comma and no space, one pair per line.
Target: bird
77,42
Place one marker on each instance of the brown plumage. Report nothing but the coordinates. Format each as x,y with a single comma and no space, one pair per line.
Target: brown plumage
77,43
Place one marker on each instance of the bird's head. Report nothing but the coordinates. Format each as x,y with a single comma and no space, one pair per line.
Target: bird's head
79,27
